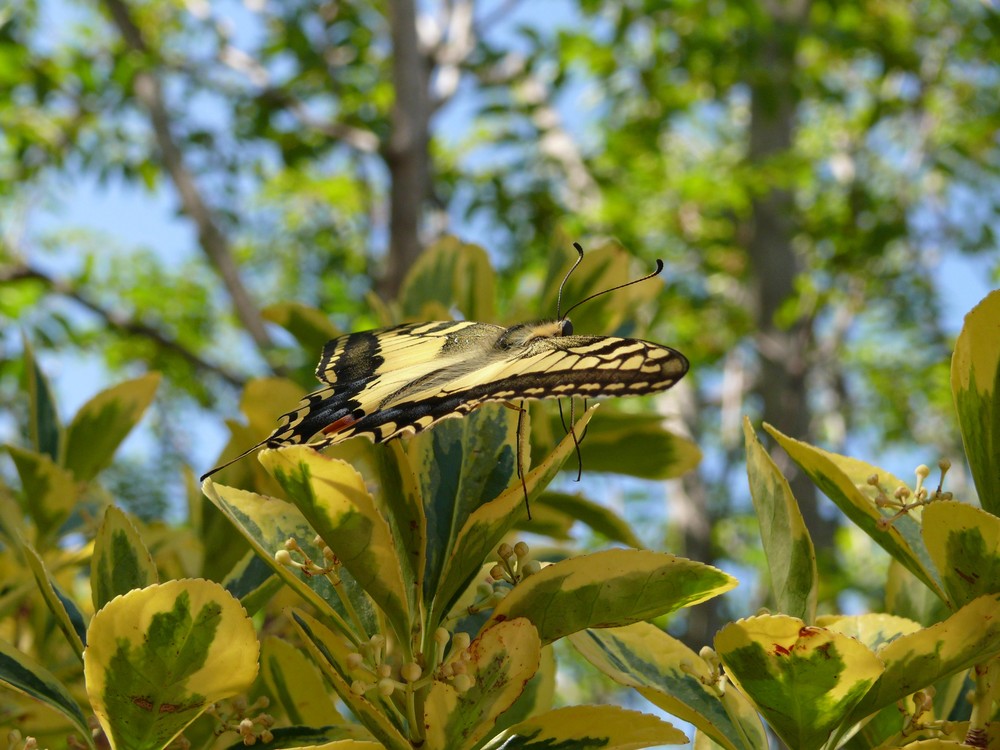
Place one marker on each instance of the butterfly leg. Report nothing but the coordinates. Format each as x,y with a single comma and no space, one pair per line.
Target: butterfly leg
522,447
572,431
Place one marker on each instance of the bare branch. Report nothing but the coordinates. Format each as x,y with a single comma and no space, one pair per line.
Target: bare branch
212,240
119,321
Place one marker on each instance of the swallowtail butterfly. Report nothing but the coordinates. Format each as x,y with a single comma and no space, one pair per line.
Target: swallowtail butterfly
400,380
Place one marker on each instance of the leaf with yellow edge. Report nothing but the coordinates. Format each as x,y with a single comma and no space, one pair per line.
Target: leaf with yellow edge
975,385
487,525
330,653
332,496
791,558
23,674
120,561
296,684
964,543
103,422
874,629
503,658
803,679
914,661
845,481
609,588
450,274
267,523
68,616
49,491
157,657
590,728
672,676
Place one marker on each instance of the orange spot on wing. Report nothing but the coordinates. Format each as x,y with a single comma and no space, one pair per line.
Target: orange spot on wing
341,424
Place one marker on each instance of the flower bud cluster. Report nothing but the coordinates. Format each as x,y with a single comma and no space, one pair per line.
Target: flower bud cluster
455,666
292,550
903,500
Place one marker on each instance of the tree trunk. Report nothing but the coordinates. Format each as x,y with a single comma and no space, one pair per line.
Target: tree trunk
406,154
783,348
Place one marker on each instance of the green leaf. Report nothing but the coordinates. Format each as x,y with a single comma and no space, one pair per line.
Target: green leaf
67,614
675,678
450,274
489,523
20,672
964,543
49,491
504,657
103,422
253,582
462,464
310,327
598,517
791,558
44,428
334,499
635,445
590,728
296,684
975,384
120,561
267,523
845,481
157,657
610,588
803,679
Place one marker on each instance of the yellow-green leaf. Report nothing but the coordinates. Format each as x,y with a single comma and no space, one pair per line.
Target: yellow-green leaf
450,274
103,422
803,679
591,728
916,660
310,327
610,588
296,684
598,517
675,678
329,652
120,561
791,558
975,384
874,629
20,672
50,492
333,498
63,608
503,658
634,444
964,543
488,523
267,523
157,657
845,481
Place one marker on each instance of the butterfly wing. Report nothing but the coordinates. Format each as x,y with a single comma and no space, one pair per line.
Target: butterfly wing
590,366
364,369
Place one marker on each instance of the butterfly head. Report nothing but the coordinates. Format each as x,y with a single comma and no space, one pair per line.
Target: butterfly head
525,333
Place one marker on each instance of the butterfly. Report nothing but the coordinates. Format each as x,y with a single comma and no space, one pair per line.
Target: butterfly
397,381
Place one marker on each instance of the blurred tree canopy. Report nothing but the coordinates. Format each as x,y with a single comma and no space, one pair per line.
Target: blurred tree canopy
802,168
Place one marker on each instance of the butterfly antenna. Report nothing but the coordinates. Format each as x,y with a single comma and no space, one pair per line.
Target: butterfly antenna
566,278
657,272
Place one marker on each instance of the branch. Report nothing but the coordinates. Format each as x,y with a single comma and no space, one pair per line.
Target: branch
119,321
213,242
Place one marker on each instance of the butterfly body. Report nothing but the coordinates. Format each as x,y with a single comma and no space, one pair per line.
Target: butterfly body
401,380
